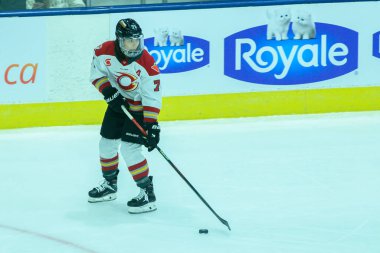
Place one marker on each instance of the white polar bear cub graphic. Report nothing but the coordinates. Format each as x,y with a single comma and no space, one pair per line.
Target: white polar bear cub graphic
278,25
161,37
303,26
176,38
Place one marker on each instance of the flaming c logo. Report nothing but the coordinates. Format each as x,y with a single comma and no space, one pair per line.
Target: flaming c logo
127,82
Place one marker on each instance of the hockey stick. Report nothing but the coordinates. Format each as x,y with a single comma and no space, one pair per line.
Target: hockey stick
129,115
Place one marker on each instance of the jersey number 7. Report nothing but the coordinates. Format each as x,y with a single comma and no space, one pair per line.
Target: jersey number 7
157,83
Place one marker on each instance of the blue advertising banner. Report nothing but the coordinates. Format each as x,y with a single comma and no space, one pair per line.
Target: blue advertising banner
331,52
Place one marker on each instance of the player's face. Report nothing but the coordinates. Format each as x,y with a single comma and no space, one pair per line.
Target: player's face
132,47
131,44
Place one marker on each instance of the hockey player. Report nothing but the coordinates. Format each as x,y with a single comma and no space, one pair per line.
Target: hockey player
126,74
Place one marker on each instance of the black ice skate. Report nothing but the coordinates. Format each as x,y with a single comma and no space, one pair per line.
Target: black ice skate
145,201
106,191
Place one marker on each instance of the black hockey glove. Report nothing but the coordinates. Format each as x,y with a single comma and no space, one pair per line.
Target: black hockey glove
114,99
153,137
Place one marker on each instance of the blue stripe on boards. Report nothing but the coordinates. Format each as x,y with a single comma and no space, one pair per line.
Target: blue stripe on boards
160,7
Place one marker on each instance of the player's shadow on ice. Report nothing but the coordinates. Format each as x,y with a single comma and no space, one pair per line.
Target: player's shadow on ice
106,214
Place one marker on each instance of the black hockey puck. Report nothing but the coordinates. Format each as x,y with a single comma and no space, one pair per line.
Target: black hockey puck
203,231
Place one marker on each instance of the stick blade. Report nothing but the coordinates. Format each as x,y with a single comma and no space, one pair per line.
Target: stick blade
225,223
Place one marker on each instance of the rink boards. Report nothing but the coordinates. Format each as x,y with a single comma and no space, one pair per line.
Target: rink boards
237,71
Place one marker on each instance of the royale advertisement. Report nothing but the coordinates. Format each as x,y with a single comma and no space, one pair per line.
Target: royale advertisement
264,48
305,57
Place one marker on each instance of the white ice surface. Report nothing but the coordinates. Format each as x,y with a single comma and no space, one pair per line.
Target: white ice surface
289,184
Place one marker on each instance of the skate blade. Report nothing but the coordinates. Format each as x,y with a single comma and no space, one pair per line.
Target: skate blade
109,197
150,207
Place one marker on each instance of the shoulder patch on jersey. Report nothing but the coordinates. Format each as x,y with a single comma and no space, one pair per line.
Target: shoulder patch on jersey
155,67
107,48
148,63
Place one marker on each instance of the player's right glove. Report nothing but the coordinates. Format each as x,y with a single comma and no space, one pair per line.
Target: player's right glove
114,99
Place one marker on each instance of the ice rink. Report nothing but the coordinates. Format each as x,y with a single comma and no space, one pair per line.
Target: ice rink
286,184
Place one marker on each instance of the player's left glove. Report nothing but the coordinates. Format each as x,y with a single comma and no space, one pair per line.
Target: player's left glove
153,137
